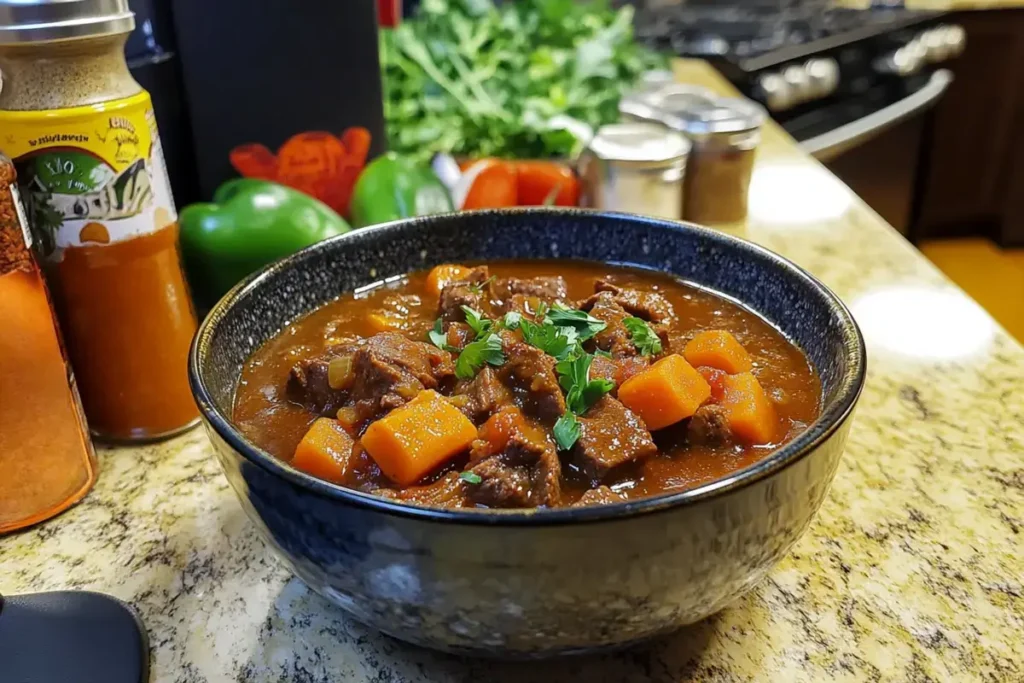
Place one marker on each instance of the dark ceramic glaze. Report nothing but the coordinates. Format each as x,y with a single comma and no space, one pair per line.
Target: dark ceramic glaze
533,583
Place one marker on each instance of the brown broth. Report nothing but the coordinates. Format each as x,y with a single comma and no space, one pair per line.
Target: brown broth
269,419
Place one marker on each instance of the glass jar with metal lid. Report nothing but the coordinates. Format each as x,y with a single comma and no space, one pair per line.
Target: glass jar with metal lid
725,134
83,137
635,167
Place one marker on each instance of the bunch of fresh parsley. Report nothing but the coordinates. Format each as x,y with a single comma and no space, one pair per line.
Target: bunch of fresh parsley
476,78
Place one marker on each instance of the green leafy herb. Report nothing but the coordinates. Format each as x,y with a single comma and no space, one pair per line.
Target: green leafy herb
479,324
511,320
470,477
566,431
559,342
644,338
478,287
476,354
437,336
581,393
479,78
586,325
603,353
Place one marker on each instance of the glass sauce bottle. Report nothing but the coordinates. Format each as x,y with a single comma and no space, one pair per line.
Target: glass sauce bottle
84,140
46,460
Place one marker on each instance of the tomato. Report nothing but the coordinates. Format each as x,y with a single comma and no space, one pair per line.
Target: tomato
539,181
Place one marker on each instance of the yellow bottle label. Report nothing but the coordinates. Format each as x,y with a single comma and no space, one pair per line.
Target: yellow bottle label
89,175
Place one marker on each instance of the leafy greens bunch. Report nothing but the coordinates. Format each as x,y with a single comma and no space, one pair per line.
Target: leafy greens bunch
475,78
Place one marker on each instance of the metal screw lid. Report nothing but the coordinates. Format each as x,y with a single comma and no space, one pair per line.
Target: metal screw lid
40,21
698,116
653,103
639,144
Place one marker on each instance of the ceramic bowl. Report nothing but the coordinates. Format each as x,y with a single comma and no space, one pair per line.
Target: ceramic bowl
533,583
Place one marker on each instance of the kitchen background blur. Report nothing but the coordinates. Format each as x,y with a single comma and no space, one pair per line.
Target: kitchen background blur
917,106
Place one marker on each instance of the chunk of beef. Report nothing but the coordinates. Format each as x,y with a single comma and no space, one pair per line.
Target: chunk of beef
466,292
524,472
610,435
521,303
709,426
484,395
546,288
650,306
614,338
604,368
308,381
389,370
447,492
602,495
530,374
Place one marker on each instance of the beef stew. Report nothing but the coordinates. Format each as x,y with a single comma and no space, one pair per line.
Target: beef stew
526,384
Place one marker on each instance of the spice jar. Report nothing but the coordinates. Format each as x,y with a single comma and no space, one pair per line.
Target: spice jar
725,134
46,460
83,137
635,167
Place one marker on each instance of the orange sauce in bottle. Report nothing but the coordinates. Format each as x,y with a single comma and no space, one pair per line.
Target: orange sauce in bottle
46,460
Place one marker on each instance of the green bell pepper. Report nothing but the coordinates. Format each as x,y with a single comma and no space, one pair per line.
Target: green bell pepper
393,187
249,224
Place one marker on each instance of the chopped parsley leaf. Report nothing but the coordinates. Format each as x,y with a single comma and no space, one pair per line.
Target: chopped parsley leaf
478,353
470,477
476,321
644,338
566,431
586,325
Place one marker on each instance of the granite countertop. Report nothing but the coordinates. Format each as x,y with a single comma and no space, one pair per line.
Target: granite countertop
912,570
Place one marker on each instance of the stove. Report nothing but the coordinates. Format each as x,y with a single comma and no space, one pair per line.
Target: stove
813,65
853,87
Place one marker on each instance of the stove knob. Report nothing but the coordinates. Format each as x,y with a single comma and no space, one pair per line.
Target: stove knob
903,62
934,41
799,82
918,52
956,40
824,75
777,93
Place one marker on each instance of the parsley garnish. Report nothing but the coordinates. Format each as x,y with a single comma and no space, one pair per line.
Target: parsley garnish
581,393
586,325
437,336
566,431
478,287
644,338
558,342
511,320
476,354
477,322
602,352
470,477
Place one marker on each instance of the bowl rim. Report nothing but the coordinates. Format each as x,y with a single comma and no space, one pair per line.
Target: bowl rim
819,431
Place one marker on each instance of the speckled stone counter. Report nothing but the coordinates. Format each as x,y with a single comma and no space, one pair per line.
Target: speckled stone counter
912,571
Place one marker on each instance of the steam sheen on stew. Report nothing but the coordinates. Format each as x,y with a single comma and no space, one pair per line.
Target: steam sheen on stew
526,384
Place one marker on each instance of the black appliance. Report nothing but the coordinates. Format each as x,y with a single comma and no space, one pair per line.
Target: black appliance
153,60
849,85
263,72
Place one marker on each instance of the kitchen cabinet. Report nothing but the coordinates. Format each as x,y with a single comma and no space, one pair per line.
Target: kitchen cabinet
972,181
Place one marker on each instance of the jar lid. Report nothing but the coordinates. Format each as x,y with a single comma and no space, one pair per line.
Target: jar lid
653,102
704,116
40,21
640,144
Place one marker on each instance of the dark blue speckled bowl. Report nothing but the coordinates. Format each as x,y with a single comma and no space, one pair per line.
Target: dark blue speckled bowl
534,583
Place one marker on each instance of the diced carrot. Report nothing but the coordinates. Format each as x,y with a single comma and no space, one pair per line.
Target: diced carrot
715,379
718,349
325,450
750,412
418,437
665,393
443,275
